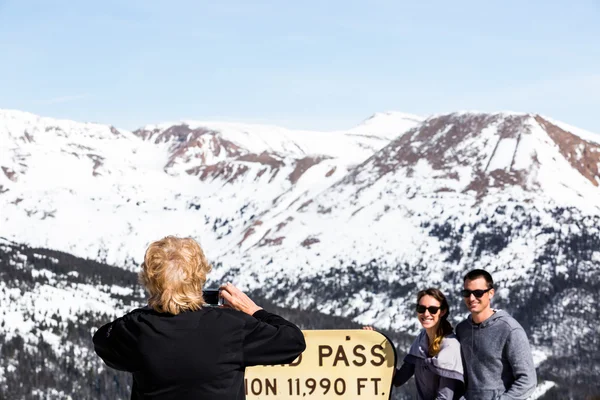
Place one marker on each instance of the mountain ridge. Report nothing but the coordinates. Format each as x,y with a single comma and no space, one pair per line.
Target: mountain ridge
352,231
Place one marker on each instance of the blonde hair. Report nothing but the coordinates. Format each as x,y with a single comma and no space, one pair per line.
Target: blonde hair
174,271
444,327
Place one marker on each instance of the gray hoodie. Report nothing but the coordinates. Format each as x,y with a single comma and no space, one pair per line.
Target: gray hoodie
497,358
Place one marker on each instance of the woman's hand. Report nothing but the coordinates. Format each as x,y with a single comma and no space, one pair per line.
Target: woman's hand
238,300
368,328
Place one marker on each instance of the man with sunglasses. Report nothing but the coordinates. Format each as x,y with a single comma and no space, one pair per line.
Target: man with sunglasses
497,359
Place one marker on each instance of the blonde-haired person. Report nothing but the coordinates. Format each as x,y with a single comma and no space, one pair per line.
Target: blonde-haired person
177,347
434,357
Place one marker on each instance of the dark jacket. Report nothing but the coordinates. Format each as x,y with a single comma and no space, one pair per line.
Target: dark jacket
497,357
198,354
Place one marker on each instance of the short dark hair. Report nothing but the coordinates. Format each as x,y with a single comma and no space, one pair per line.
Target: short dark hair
480,273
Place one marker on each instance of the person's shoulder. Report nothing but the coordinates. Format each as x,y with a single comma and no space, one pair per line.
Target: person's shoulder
135,314
450,341
419,338
227,312
140,317
422,333
229,315
462,325
128,322
141,310
451,338
507,320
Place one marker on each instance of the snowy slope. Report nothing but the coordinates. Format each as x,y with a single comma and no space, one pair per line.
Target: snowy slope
247,191
56,301
350,223
459,168
387,125
108,192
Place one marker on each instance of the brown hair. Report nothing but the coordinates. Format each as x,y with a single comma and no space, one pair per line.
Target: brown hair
174,271
480,273
444,327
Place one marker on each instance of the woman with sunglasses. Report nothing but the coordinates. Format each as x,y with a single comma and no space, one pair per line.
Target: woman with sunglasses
434,357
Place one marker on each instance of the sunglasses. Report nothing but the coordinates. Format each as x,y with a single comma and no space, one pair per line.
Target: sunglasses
432,309
477,293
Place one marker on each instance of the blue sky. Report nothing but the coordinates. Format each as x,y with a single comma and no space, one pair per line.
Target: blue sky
301,64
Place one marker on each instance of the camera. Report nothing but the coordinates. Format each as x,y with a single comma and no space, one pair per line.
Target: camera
212,297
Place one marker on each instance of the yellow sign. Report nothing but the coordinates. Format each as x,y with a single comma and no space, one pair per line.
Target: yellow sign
337,364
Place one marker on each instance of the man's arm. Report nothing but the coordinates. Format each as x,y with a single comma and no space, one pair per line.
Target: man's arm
520,359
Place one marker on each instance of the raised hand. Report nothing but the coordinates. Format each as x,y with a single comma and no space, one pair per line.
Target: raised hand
238,300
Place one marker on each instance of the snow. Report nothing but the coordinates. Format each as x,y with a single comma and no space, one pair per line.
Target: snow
388,125
555,174
58,191
541,389
61,198
121,290
539,355
503,155
358,204
356,143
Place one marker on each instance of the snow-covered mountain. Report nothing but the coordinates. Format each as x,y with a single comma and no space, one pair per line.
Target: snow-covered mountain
61,176
458,169
349,223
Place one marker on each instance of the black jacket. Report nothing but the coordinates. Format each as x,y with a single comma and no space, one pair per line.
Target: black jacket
198,354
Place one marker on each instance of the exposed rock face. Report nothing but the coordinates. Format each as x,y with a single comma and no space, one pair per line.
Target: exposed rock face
583,155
